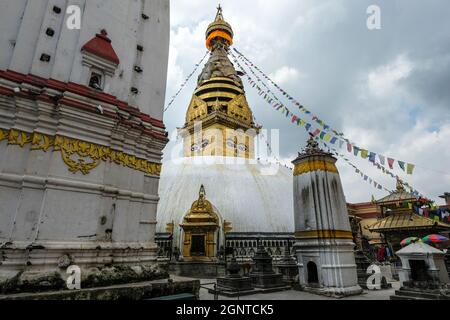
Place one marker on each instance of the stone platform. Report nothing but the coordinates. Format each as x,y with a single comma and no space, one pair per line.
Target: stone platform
134,291
415,294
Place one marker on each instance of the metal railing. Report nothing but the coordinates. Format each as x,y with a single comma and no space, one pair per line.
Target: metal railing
216,291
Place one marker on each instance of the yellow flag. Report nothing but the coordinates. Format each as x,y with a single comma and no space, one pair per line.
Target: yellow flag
364,153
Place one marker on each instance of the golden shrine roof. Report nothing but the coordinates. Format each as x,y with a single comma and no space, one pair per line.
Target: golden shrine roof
396,197
405,221
399,195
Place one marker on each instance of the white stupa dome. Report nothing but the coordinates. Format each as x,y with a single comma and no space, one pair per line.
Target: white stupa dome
256,197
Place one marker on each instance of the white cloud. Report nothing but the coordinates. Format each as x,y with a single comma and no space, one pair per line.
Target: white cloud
384,79
285,75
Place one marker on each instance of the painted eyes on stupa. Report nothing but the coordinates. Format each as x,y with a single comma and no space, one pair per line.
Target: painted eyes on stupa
230,143
200,146
240,147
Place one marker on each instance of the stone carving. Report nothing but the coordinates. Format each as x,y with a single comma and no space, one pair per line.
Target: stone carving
65,261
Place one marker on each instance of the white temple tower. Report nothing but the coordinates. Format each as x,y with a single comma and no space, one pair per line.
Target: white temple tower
324,243
81,133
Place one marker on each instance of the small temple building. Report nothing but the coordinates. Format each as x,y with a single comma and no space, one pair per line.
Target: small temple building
401,217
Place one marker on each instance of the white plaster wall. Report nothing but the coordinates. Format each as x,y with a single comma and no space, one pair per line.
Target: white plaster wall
334,259
11,16
319,202
126,28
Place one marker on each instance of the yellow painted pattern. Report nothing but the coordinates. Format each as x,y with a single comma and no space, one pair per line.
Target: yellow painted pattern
324,234
78,155
314,165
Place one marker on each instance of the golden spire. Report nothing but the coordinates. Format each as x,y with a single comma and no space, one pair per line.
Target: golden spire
219,15
219,101
219,30
202,193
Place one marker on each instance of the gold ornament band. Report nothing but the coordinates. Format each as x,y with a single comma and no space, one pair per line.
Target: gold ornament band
79,156
315,165
324,234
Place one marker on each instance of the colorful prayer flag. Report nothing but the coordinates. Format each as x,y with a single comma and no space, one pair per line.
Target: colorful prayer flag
401,165
391,163
372,157
410,168
364,153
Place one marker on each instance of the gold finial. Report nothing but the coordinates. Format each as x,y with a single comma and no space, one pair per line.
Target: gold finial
219,15
202,193
400,185
312,146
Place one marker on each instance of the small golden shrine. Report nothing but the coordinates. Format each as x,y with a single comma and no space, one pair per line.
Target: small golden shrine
200,227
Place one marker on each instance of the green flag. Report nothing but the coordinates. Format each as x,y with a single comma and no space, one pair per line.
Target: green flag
410,168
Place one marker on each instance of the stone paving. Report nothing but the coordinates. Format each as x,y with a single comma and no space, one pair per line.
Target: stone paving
299,295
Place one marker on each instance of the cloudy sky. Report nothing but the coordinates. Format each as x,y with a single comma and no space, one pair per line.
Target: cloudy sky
388,90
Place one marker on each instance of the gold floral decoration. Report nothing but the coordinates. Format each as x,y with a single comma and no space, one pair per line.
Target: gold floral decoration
78,155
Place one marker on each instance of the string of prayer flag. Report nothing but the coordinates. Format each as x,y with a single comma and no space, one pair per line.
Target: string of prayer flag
185,82
326,135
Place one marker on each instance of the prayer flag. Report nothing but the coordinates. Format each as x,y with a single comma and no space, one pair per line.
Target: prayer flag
355,150
349,147
333,140
364,153
391,163
327,138
401,165
410,168
322,135
372,157
316,132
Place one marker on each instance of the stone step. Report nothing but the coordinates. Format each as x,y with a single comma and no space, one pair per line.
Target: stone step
405,298
417,295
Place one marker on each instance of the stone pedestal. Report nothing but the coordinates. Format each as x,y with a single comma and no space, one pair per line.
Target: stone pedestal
262,274
288,267
234,284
